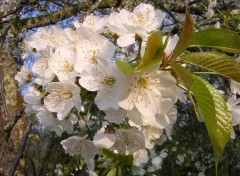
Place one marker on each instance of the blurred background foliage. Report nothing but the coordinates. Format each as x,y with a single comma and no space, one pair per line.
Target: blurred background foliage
189,151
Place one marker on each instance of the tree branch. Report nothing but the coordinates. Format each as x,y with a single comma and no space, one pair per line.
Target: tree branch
8,128
90,10
21,150
159,4
2,95
53,18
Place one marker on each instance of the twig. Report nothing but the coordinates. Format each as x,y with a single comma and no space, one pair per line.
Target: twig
33,165
8,128
159,4
2,96
4,148
21,150
90,10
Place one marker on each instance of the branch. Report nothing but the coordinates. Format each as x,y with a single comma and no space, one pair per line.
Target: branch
180,8
2,95
159,4
53,18
8,128
21,150
90,10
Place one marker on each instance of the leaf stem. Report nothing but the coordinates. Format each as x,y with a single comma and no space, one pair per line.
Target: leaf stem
139,39
209,73
182,87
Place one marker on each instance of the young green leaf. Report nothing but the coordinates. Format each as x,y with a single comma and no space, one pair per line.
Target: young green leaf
153,54
222,39
126,68
183,74
215,112
119,171
112,172
108,154
126,159
185,38
185,77
216,62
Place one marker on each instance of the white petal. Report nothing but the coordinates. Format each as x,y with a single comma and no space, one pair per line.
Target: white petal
126,40
115,116
103,140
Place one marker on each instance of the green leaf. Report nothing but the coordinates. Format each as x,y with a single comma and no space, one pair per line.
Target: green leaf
153,54
126,68
108,154
119,171
106,170
222,39
126,159
215,112
112,172
216,62
186,78
185,38
183,74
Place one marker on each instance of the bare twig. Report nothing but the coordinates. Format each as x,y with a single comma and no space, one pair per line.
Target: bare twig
90,10
2,95
4,148
21,150
8,129
33,165
160,4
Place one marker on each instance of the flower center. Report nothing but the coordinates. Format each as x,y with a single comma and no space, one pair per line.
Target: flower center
65,94
142,83
79,149
93,59
29,77
69,67
141,20
108,81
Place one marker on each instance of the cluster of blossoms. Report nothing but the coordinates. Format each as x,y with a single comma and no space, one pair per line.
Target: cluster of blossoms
233,103
74,65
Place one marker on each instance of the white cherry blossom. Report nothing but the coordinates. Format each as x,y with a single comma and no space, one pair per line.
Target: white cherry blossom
33,96
143,20
210,11
115,116
55,37
106,79
93,22
62,98
157,161
128,141
61,63
24,75
140,157
33,99
171,44
104,140
234,107
44,73
75,145
152,126
48,121
151,134
234,85
91,51
146,90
